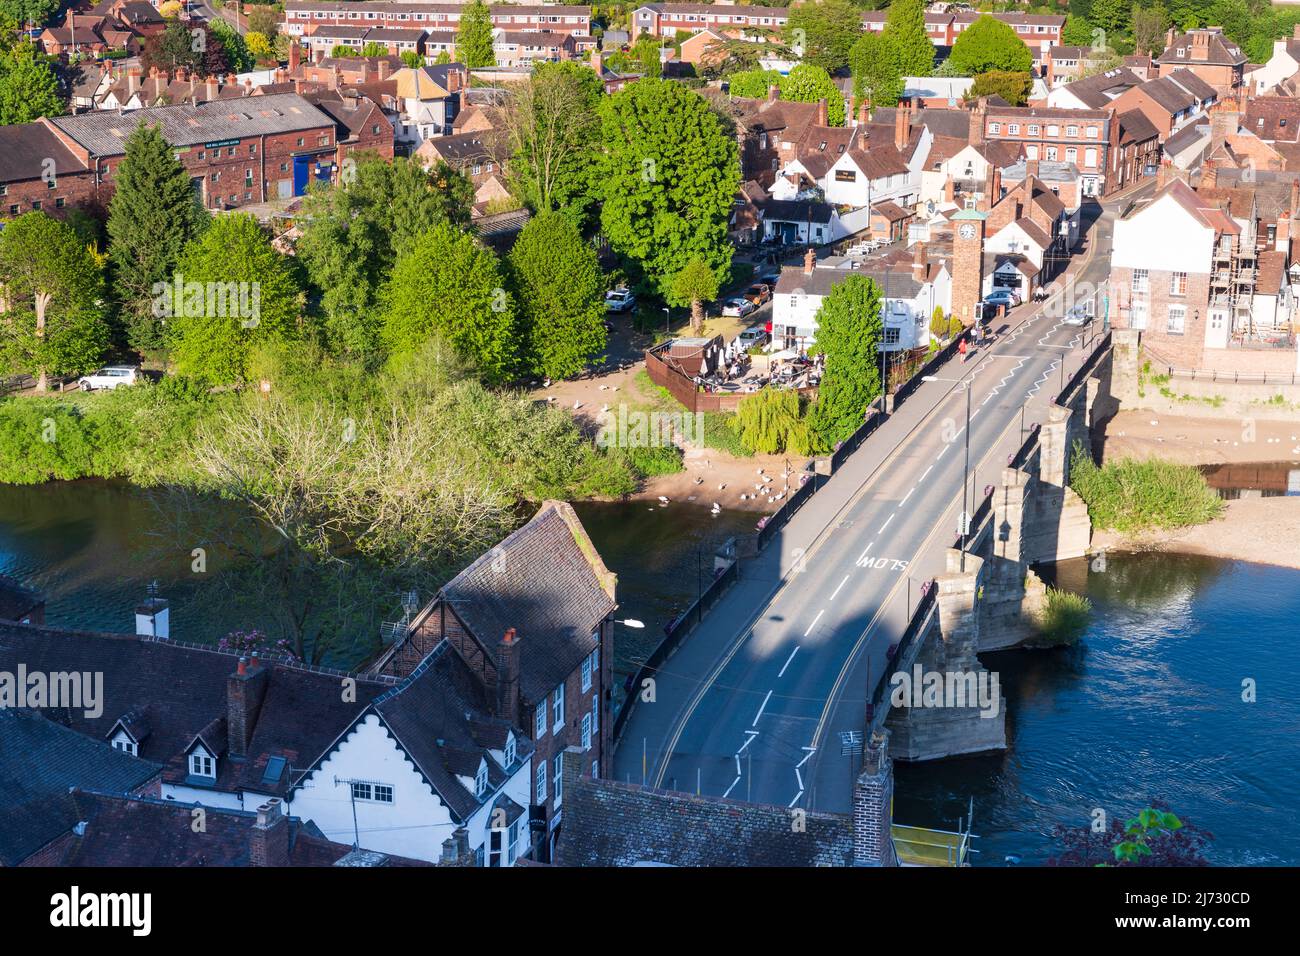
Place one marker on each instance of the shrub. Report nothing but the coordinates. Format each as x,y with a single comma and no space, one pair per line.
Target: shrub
720,434
651,461
939,324
1064,617
1132,496
771,422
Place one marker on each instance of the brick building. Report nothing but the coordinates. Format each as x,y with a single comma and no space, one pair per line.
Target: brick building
302,17
1085,138
1215,58
532,619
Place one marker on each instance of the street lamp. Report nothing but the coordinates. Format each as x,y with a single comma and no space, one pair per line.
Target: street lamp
667,330
965,474
631,622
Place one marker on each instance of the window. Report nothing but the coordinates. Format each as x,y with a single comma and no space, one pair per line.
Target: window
216,176
1053,130
1178,283
539,731
1072,131
1031,151
595,770
893,335
361,791
1090,156
559,780
1177,319
586,673
1033,129
1141,280
480,779
1013,129
541,783
284,167
1071,154
557,710
301,142
58,203
1092,132
201,764
995,128
126,746
1050,152
252,149
1138,315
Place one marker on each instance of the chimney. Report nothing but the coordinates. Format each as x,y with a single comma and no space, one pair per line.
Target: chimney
295,55
210,88
317,53
902,127
133,75
823,112
1200,45
268,845
864,113
920,264
977,118
508,678
1169,37
1282,240
809,262
1209,174
153,72
598,62
384,67
773,94
245,690
1031,168
181,74
997,184
231,79
949,190
1295,197
873,797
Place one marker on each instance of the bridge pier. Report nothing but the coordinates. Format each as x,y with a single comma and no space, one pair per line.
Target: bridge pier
951,727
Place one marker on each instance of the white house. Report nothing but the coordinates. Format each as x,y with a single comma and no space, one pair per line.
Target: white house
421,762
1282,65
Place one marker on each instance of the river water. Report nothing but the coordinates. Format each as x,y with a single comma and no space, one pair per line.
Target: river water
1147,705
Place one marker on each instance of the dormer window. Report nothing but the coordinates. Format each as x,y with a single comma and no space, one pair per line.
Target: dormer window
126,746
202,765
512,750
481,779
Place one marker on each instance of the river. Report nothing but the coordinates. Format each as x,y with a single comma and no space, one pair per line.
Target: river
1147,705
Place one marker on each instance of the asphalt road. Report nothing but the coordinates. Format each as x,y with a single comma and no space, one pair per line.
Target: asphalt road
753,704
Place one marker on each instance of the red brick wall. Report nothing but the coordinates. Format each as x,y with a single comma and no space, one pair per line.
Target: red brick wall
1185,350
70,190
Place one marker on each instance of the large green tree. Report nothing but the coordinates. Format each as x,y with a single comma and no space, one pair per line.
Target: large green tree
754,84
231,292
696,284
877,76
807,83
989,44
354,231
28,87
153,214
28,12
849,330
474,36
51,299
1012,87
448,285
553,133
559,289
1112,16
198,49
825,31
670,172
905,34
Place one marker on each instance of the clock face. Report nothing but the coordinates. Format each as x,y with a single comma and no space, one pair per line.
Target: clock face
968,231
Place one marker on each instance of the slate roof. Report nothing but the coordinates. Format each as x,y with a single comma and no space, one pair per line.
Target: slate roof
105,133
1186,137
1096,91
1136,128
797,210
1222,51
442,718
607,823
1273,118
23,150
40,761
179,693
546,581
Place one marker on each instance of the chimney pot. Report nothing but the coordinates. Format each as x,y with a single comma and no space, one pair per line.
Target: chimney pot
242,668
809,262
823,112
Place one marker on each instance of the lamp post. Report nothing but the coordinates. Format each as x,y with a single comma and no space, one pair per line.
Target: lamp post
667,330
965,473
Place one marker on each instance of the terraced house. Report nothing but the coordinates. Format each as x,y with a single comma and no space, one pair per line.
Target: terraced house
302,17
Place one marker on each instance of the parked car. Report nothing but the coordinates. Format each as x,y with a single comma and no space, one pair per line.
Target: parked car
737,307
110,377
1079,315
1002,297
758,293
620,300
754,335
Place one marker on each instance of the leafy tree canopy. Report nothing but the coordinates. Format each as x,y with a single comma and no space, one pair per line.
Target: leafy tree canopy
905,34
754,84
1012,87
474,36
849,330
807,83
877,76
825,31
28,86
989,44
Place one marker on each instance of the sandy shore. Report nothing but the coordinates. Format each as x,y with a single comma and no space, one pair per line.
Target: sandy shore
1262,530
1199,441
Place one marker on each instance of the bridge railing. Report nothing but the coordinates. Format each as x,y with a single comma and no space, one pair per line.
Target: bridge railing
1086,369
877,708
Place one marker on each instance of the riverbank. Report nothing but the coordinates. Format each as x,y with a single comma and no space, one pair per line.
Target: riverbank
1190,440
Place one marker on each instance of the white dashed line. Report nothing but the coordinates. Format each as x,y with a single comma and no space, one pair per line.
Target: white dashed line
813,624
786,664
906,496
842,583
761,708
886,524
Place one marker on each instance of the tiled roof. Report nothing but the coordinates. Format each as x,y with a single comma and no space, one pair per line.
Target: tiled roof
1135,127
607,823
24,149
1274,118
546,581
40,761
1096,91
797,210
1221,50
105,133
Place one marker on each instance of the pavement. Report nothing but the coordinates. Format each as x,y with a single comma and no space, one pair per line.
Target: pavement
753,704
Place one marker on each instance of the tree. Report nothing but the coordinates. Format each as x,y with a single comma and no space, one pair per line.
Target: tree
238,57
449,286
824,30
28,87
669,176
877,77
262,19
1012,87
905,34
559,288
645,53
694,285
1077,31
753,84
553,133
154,212
989,44
33,13
231,292
809,84
849,332
259,44
411,59
374,48
769,423
354,231
199,49
1149,26
51,299
474,37
1111,16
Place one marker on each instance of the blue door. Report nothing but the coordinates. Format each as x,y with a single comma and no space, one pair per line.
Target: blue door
301,174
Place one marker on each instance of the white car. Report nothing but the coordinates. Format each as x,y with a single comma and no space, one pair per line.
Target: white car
754,335
620,300
1079,315
737,307
110,377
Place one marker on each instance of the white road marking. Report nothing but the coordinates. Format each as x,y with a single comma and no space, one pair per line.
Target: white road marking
786,664
864,553
761,707
749,739
796,799
812,625
923,474
732,787
886,524
837,590
906,496
806,757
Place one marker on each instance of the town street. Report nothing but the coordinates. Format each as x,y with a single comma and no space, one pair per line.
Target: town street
754,703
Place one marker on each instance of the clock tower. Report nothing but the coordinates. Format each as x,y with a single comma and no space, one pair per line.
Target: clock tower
967,264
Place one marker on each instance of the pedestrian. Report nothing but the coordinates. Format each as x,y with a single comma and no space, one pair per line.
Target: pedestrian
961,349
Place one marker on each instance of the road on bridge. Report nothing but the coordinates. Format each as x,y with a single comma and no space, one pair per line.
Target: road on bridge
752,706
